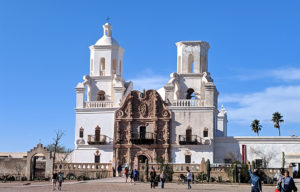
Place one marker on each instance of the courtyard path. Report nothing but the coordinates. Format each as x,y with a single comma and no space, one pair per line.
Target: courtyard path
118,184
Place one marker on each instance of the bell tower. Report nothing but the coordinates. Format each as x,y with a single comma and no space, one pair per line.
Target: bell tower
106,56
192,57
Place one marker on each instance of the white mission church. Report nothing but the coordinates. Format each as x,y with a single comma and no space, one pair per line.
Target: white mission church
180,122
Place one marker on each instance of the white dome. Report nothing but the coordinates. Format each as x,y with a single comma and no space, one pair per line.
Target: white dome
105,40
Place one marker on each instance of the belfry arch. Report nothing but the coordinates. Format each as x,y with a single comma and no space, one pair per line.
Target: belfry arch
48,157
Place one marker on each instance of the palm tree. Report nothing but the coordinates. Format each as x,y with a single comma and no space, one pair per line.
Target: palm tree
255,126
277,119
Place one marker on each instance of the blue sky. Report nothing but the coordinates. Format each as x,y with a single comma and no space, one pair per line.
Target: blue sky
254,58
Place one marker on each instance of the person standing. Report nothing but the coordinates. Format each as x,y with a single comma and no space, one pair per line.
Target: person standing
60,179
162,179
152,178
287,183
189,178
255,180
54,179
131,175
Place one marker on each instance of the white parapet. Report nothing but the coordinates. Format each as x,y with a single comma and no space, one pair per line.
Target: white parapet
187,103
99,104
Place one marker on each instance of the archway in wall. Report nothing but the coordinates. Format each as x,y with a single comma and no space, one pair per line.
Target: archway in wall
39,162
142,159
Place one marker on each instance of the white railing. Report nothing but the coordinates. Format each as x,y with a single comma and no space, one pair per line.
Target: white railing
187,103
99,104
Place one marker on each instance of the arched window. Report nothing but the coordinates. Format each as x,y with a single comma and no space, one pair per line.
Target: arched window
81,132
190,94
97,157
101,95
114,66
120,68
97,134
205,132
179,63
102,66
190,63
92,65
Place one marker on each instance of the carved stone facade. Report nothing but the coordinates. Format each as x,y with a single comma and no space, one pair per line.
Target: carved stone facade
142,129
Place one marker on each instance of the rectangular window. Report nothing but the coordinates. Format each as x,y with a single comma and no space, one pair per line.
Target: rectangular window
187,159
97,158
81,133
259,163
205,133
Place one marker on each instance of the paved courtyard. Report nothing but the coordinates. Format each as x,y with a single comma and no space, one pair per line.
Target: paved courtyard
115,185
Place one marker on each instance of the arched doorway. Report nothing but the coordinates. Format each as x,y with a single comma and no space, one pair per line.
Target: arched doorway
142,159
39,162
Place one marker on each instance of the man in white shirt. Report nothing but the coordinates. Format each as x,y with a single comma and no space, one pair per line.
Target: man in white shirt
189,178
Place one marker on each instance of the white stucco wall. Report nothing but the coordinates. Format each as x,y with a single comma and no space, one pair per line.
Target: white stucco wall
257,148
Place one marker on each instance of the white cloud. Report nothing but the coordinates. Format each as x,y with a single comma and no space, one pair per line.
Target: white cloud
286,74
243,108
148,80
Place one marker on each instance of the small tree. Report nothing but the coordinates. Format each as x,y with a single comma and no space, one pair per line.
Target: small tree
55,146
277,119
283,160
146,169
208,169
256,127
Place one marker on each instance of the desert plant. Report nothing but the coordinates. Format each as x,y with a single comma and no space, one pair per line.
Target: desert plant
146,169
208,169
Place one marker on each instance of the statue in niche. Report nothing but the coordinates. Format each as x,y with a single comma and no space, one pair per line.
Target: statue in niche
175,82
87,82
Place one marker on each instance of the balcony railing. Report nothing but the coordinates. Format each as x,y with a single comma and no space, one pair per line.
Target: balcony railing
187,103
98,139
142,138
189,140
99,104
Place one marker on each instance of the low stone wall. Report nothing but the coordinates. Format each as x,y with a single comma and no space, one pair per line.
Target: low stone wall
13,167
90,170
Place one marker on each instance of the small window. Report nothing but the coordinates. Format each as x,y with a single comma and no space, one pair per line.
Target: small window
97,158
101,96
81,132
187,158
205,133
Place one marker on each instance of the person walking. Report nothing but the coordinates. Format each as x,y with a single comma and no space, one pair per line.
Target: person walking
255,180
54,180
189,179
152,178
126,172
287,183
119,169
135,175
162,179
60,179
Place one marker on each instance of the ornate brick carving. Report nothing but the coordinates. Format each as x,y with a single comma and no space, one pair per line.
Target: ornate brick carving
145,109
